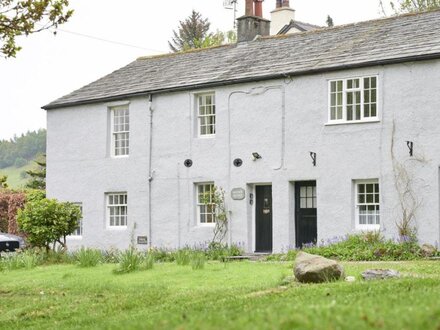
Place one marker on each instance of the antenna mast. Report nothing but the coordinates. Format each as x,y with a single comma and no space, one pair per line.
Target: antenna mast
231,4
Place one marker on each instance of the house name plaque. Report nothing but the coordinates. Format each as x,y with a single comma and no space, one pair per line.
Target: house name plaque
142,240
238,194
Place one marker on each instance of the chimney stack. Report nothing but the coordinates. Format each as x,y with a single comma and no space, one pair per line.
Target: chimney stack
252,23
249,8
281,16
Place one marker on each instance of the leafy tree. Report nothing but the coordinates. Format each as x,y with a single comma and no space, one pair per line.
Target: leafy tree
329,21
24,17
47,222
37,178
410,6
219,38
191,33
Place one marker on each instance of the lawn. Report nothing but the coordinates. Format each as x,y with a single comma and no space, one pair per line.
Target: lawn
237,295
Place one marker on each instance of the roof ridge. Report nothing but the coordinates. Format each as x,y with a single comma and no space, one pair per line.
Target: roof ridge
342,26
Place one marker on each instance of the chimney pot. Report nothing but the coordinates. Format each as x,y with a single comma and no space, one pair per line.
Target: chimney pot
249,8
259,8
279,3
286,3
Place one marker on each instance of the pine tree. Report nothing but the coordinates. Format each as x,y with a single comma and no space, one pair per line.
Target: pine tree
38,176
191,33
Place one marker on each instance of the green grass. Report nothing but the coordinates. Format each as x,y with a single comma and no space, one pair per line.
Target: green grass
240,295
13,173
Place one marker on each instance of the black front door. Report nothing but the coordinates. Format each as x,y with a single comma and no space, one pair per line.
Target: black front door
263,219
305,213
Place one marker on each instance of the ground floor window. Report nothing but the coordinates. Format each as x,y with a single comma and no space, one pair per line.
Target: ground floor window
79,230
205,208
117,209
367,204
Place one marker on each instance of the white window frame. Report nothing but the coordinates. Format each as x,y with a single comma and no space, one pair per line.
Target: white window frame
201,116
366,227
345,90
79,231
114,133
109,206
200,205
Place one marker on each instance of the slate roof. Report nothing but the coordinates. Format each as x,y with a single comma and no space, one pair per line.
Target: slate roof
383,41
298,25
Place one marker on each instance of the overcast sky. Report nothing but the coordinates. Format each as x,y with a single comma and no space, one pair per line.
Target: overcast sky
51,66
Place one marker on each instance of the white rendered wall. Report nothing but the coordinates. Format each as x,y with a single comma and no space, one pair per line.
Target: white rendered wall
80,169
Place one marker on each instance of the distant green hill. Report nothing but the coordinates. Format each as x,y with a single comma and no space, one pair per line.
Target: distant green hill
16,179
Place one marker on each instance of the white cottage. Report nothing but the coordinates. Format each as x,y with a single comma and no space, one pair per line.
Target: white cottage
318,134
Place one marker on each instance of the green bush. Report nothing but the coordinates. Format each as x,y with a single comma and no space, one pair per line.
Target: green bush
47,221
86,257
57,256
198,260
129,261
20,260
148,261
369,246
183,257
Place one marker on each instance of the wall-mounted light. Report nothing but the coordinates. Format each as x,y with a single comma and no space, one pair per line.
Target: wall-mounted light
255,156
313,156
410,145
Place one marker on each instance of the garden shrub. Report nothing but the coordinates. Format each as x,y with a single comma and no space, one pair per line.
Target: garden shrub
20,260
148,261
183,257
47,221
198,260
10,202
86,257
129,261
361,247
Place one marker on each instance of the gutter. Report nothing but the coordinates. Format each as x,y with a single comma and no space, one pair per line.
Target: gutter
414,58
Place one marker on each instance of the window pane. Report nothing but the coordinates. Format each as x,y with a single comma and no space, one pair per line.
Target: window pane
368,203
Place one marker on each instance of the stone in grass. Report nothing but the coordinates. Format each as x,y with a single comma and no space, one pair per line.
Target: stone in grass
380,274
310,268
350,279
428,250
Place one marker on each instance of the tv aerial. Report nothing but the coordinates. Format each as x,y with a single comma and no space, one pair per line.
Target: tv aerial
231,5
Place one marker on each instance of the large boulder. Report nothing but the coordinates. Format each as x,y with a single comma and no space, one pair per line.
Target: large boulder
310,268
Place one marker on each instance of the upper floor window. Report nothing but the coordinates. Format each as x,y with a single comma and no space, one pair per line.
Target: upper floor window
205,206
353,100
206,114
120,124
367,204
117,208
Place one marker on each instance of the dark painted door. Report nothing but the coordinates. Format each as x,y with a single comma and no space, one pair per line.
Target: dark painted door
263,219
305,213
